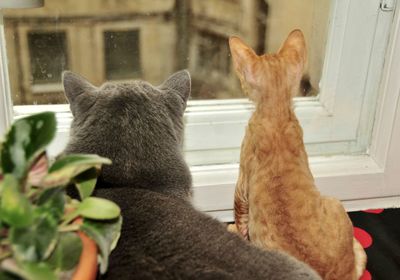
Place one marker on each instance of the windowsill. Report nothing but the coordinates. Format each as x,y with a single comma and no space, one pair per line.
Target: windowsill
352,179
46,88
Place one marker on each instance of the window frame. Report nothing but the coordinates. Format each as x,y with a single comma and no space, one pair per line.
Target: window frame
331,122
360,181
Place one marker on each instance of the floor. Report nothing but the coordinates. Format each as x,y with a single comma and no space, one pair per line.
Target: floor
379,233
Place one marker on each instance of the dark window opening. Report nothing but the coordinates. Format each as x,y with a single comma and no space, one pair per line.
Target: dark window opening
48,56
213,53
122,55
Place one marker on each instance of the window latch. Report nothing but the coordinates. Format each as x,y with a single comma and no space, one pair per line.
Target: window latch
387,5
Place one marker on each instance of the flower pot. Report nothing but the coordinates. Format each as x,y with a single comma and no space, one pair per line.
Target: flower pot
87,266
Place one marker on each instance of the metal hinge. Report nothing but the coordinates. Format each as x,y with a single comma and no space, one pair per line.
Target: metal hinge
387,5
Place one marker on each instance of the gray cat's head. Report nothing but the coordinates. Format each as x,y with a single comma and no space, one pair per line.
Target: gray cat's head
137,125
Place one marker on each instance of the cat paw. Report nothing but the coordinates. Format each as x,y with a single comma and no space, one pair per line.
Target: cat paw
242,233
232,228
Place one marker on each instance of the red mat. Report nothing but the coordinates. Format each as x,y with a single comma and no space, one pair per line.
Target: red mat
378,231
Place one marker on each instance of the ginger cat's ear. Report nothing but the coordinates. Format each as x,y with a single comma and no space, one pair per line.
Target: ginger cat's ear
294,49
245,60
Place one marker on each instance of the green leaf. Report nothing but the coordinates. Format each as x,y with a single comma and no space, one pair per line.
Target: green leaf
53,201
86,182
67,252
38,170
35,243
26,271
15,208
66,168
98,209
9,268
27,138
106,235
77,160
38,271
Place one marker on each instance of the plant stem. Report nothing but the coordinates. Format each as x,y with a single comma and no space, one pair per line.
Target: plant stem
73,227
32,193
69,217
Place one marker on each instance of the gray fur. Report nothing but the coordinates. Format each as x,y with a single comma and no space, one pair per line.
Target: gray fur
140,127
136,125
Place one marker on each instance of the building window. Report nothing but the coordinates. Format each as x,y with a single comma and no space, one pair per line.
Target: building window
122,54
48,56
213,53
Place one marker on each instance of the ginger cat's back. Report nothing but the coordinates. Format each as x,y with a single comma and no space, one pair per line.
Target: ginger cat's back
276,202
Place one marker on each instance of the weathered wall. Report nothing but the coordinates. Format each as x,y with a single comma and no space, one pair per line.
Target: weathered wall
84,23
95,8
311,16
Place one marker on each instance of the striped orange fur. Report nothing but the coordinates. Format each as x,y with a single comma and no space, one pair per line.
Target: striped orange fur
276,202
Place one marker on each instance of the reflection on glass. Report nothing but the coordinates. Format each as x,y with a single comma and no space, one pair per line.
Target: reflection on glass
122,40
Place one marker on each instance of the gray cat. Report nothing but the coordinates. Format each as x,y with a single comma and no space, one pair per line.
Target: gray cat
140,127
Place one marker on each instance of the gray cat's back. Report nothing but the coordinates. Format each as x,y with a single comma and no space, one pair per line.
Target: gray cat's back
140,128
178,242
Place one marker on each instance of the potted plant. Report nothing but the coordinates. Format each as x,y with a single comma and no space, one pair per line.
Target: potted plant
43,232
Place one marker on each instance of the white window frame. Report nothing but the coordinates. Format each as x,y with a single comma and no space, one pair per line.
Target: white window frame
360,181
338,120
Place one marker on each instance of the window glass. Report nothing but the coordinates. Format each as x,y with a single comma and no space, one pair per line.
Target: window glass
122,57
151,39
48,56
213,54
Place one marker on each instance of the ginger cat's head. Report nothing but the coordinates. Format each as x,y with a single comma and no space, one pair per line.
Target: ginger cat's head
274,78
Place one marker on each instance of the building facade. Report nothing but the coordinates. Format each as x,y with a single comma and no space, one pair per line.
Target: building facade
119,40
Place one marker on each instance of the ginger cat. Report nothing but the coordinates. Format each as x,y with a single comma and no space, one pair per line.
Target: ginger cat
277,205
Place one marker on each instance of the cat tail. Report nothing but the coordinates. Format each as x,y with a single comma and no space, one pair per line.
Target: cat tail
360,259
241,206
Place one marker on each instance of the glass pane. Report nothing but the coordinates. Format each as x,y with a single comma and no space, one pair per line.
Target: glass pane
48,56
122,40
122,54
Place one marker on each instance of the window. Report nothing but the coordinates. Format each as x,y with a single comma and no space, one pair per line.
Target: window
48,56
213,54
152,40
122,54
211,68
346,104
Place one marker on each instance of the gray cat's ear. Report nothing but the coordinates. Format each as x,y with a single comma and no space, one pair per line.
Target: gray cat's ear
78,91
180,82
75,85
